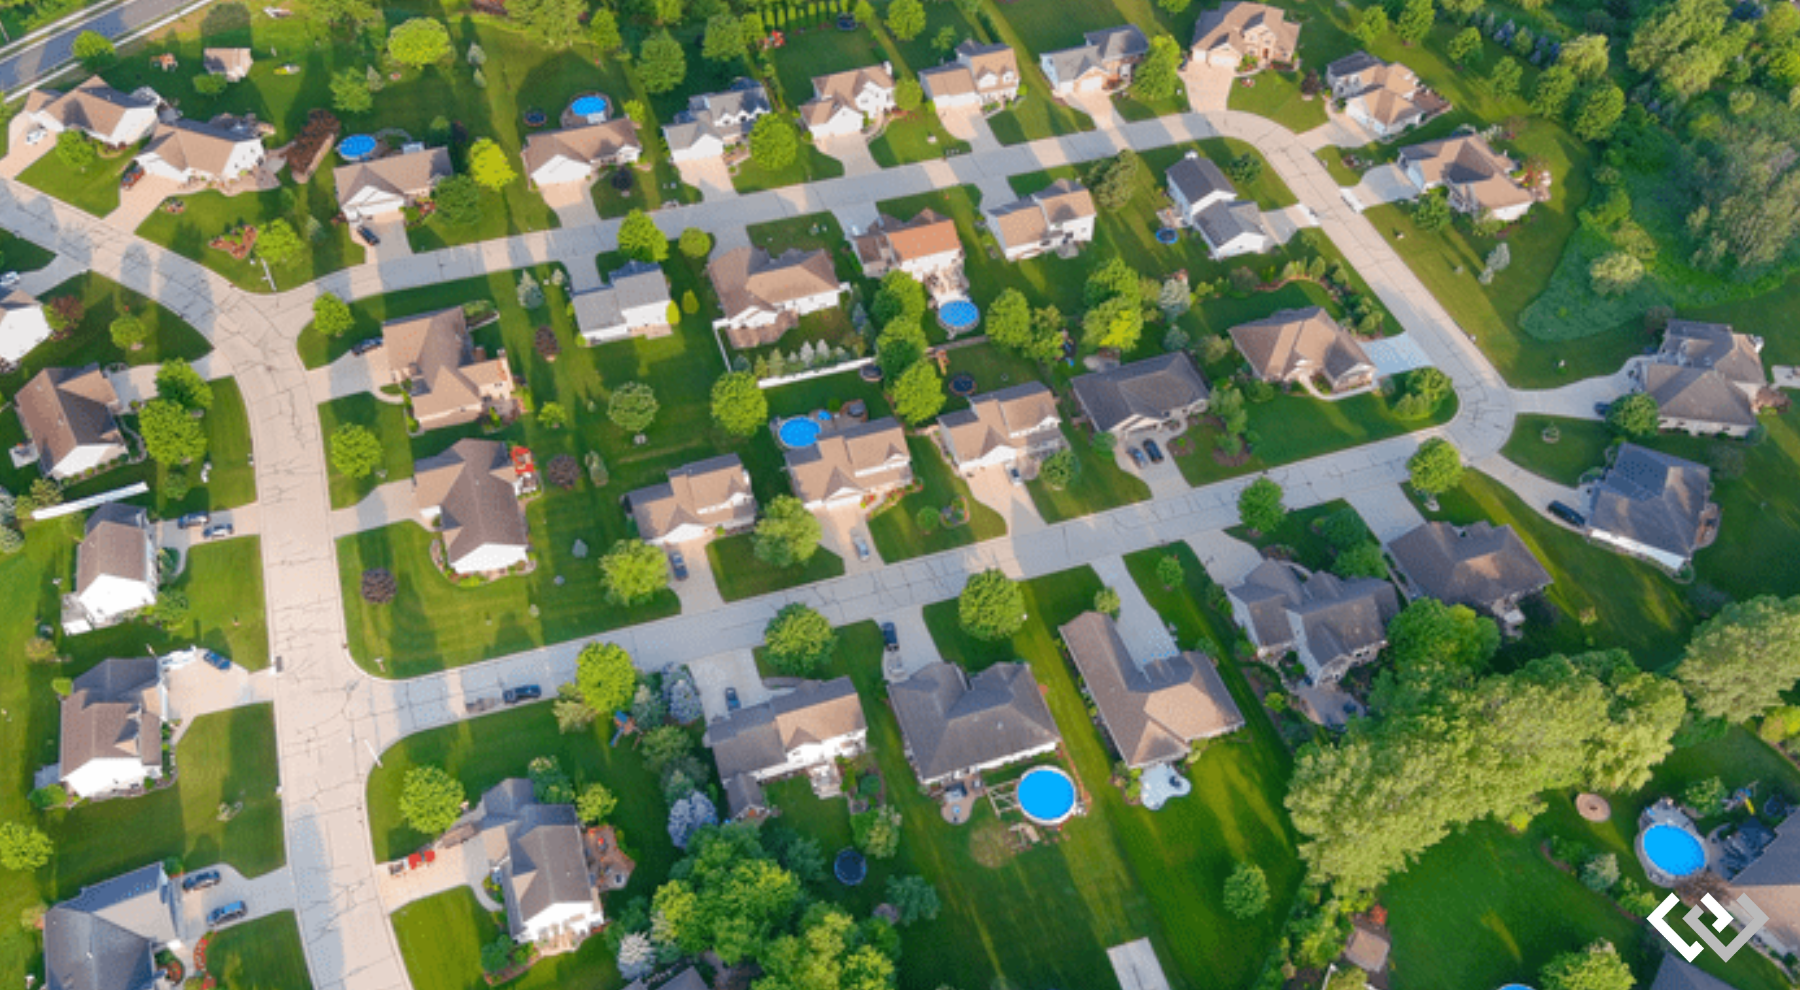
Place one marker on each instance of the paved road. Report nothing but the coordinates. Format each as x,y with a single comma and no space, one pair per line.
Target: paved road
332,719
24,67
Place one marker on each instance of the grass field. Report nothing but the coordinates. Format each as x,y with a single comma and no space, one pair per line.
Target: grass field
1100,484
1294,427
388,421
264,954
810,165
740,575
896,531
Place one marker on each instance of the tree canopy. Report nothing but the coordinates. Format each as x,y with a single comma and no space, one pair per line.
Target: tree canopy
662,63
1635,415
918,393
331,315
991,606
633,572
490,165
1436,467
1259,506
632,407
605,677
23,847
787,534
799,640
905,19
419,42
738,404
431,799
177,381
641,239
171,436
1158,75
355,450
774,143
1740,661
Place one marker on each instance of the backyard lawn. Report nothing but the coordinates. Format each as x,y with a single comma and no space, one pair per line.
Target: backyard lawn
897,531
264,954
740,575
1295,427
388,421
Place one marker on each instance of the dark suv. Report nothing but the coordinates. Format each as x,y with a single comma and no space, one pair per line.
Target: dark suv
524,692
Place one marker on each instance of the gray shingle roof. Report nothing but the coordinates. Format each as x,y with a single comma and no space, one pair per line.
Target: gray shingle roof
1197,178
1676,973
1654,499
1773,881
1153,710
546,864
1714,345
1221,223
1478,565
1153,388
102,938
1103,51
1339,618
1352,64
1700,395
953,723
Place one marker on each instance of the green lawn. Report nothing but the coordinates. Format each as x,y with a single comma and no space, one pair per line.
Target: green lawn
209,214
103,301
896,531
1310,549
810,165
1294,427
264,954
1034,115
1100,483
1267,190
1033,27
740,575
21,255
654,182
95,190
227,757
1276,95
1580,447
388,421
915,137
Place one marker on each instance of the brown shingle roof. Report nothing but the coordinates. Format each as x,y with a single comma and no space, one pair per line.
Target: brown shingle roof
1151,389
692,495
411,174
187,144
227,61
1478,565
856,459
1155,710
1292,342
759,738
594,143
92,106
1468,162
927,234
472,485
115,544
66,408
952,722
433,351
998,419
1230,23
114,712
1698,394
748,278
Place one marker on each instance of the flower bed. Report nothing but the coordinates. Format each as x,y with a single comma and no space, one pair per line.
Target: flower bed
238,244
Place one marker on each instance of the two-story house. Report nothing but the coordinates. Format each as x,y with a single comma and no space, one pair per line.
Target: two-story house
1331,623
1238,32
635,301
1058,218
858,464
698,500
1153,708
1003,428
1142,395
842,101
536,851
1708,379
111,728
107,937
449,381
116,569
1483,566
1385,97
764,297
803,731
574,155
385,186
68,415
1479,179
980,76
713,122
469,495
188,151
1103,64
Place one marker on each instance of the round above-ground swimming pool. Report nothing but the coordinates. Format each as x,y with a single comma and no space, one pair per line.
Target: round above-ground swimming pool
1674,850
1047,795
1167,235
588,106
356,147
798,431
958,315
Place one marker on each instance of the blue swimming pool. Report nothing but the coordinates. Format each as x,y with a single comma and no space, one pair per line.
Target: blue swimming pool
1674,850
356,147
1046,795
588,106
798,432
958,315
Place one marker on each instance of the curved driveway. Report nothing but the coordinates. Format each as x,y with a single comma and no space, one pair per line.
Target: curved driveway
333,719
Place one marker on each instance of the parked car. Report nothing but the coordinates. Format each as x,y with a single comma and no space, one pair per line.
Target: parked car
1566,514
732,703
1602,408
524,692
132,176
217,531
193,519
215,660
221,916
368,236
365,346
1137,456
1152,451
9,280
890,636
200,880
36,136
678,565
1012,474
862,547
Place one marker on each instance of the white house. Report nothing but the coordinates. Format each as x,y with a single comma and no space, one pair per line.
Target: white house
806,730
188,151
470,495
981,76
111,734
67,414
385,186
101,112
1003,427
1059,217
22,325
764,297
1479,179
635,302
115,569
843,100
1233,229
574,155
715,121
698,500
1195,183
1384,97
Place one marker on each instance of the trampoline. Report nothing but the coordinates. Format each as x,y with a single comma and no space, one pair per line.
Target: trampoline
1167,235
1673,850
850,867
962,383
958,315
798,432
870,373
1047,795
621,179
589,106
356,147
536,118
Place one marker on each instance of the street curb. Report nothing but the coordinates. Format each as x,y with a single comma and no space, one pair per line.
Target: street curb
61,70
25,41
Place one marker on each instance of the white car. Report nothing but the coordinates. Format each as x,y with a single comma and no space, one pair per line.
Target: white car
9,280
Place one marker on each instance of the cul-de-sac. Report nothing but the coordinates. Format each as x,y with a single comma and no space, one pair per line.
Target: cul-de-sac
900,494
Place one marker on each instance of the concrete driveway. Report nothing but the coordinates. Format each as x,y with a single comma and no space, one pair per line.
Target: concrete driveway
245,520
1146,636
1384,184
1208,86
1396,355
271,893
138,382
853,151
710,176
970,124
699,592
993,487
916,648
573,203
1338,131
392,232
1098,106
1227,560
1164,479
350,374
1387,511
19,155
1578,400
387,504
732,669
843,526
199,688
137,203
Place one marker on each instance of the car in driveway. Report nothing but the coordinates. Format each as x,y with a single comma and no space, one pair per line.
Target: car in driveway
193,519
132,176
221,916
678,564
217,531
1567,514
1152,451
365,346
732,703
368,236
861,545
891,636
1602,408
1012,474
215,660
9,280
1137,456
522,693
200,880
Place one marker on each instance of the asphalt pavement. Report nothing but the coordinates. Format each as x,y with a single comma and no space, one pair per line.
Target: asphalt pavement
28,65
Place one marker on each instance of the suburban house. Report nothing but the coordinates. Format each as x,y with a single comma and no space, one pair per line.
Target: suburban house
469,495
23,325
537,853
232,63
842,100
1478,177
764,297
67,414
713,122
1195,183
1772,880
1103,64
1156,708
1226,37
1018,423
553,158
925,247
857,464
1233,229
1141,395
1706,379
1332,623
385,186
1486,567
1384,97
450,381
956,726
1655,506
804,731
1298,345
981,76
697,500
1677,973
1057,218
116,569
635,301
107,937
101,112
188,151
111,737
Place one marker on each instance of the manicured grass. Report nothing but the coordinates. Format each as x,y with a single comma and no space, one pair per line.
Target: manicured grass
1580,447
1035,115
1267,190
210,214
513,210
1296,426
95,190
650,188
740,575
91,342
1100,483
441,937
1310,549
1033,27
264,954
228,757
810,165
896,530
21,255
917,137
388,421
1276,95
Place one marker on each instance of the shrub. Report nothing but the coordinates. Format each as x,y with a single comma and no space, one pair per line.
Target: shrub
379,586
563,471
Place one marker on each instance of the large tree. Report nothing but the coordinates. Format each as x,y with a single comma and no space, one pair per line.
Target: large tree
632,407
551,22
774,144
830,952
905,19
350,92
800,641
331,315
490,165
738,404
1635,416
277,243
1436,467
1259,506
725,40
76,150
171,436
1416,19
727,896
1740,661
633,572
900,296
1158,75
430,799
787,535
178,382
458,200
641,239
918,393
991,606
1598,112
1598,967
355,450
662,63
898,347
1687,44
605,677
343,13
603,30
1432,647
1369,24
419,42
